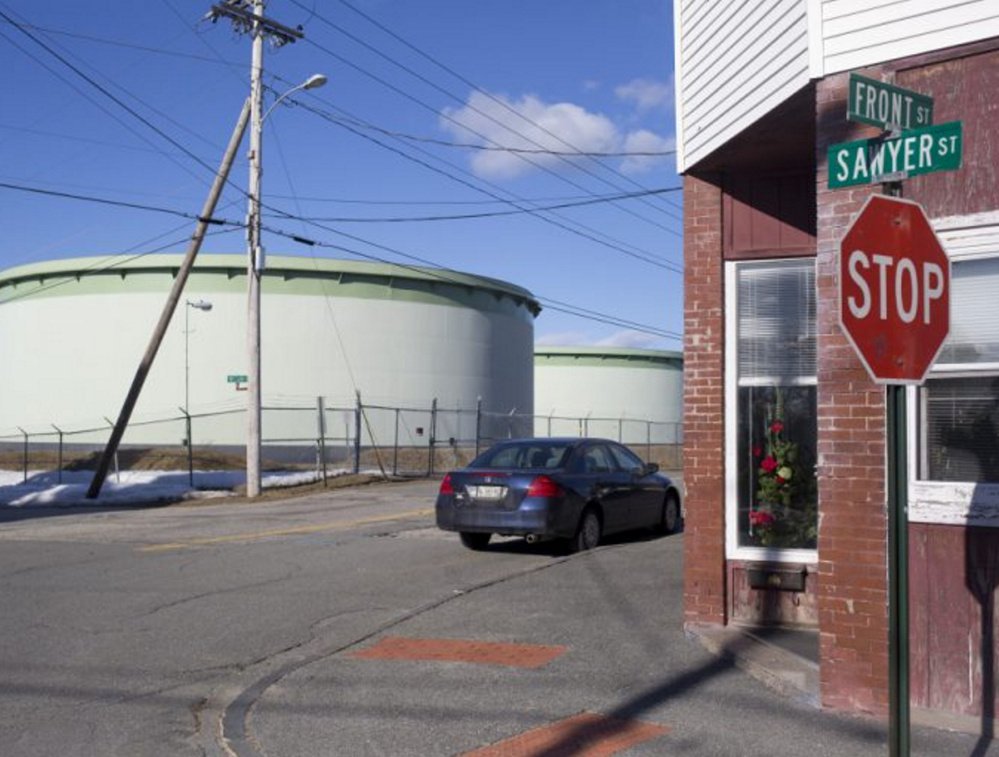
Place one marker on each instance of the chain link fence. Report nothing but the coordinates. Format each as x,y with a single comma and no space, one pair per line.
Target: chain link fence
393,441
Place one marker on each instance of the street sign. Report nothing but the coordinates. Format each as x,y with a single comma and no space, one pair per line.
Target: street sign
873,102
920,151
236,379
894,282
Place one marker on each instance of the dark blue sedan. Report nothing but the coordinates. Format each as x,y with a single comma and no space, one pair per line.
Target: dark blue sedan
576,490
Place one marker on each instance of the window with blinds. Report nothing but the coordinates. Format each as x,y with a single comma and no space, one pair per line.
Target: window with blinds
960,412
775,429
776,323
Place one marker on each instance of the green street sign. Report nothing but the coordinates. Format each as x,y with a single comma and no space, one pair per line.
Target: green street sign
916,152
873,102
236,379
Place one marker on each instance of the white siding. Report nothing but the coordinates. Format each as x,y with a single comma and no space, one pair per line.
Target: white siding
860,33
735,63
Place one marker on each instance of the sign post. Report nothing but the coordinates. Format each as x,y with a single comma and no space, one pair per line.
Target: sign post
895,309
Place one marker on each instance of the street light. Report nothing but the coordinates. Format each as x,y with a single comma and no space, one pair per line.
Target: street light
204,306
255,257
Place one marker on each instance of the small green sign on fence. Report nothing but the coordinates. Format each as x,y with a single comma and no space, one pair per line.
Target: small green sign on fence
237,379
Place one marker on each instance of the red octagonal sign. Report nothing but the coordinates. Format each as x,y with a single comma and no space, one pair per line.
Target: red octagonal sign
894,290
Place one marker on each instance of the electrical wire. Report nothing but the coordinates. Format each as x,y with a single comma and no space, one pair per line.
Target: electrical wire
432,268
464,80
589,234
492,214
445,116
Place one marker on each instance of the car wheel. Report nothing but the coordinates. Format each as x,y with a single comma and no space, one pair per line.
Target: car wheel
588,532
671,514
474,541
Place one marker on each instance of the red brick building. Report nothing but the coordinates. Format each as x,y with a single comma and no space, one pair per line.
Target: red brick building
785,432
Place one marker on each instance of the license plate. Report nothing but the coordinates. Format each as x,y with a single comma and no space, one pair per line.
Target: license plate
483,491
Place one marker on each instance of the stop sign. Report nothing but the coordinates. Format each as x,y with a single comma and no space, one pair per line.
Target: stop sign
894,282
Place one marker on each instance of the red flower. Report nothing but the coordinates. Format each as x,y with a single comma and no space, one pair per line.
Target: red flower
757,450
760,518
769,465
777,426
778,479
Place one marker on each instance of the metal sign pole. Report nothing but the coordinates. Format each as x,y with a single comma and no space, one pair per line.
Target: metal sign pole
898,575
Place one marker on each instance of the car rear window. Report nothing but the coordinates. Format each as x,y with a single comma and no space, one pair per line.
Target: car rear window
533,455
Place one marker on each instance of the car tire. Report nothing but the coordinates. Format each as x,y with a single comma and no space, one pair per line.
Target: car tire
588,531
670,523
474,540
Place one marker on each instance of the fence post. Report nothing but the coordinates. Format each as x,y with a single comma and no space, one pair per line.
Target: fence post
189,445
25,457
433,436
395,446
321,409
620,430
550,421
648,440
58,455
478,424
357,434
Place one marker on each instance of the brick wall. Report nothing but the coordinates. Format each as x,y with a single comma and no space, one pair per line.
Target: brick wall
853,579
704,401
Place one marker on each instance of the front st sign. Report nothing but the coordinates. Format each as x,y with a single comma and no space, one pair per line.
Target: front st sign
894,281
916,152
878,103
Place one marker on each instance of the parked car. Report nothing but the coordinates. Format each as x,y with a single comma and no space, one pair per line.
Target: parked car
576,490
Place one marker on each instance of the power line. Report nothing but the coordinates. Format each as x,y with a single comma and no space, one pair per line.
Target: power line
590,234
520,150
493,214
433,269
467,82
104,91
418,101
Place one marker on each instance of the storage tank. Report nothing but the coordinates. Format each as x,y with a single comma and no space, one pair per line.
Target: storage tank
72,333
632,395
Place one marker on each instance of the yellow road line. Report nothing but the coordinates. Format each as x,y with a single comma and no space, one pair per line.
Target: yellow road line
295,531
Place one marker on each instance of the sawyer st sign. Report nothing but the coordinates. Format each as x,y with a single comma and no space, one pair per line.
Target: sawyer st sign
873,102
915,152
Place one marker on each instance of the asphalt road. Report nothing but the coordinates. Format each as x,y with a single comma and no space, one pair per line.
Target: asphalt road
235,629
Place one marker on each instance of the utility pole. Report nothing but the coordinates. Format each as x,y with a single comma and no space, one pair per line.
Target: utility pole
248,16
171,304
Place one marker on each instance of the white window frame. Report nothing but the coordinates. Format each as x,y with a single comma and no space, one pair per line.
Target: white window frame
733,550
970,237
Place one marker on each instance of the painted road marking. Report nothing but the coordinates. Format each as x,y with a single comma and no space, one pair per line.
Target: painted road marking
583,735
293,531
460,650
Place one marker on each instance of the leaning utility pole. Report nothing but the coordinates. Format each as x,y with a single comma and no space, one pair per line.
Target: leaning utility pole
171,304
248,16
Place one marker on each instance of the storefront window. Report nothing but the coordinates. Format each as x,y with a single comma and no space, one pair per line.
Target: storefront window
960,401
775,429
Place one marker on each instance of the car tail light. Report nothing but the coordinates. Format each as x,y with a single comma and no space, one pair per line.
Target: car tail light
446,487
543,486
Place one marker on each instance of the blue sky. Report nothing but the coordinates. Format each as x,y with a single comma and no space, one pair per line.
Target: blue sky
415,91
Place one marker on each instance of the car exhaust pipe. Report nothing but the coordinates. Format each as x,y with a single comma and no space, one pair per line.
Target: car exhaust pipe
532,538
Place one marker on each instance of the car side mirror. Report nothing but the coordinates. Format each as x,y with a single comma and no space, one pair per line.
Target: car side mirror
649,468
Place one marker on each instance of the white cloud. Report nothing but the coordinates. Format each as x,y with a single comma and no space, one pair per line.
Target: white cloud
562,339
644,141
629,339
489,121
646,93
622,339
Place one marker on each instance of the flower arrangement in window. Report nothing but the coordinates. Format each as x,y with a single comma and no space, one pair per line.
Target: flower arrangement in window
785,512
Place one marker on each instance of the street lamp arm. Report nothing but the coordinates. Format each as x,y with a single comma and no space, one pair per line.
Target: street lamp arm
313,82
